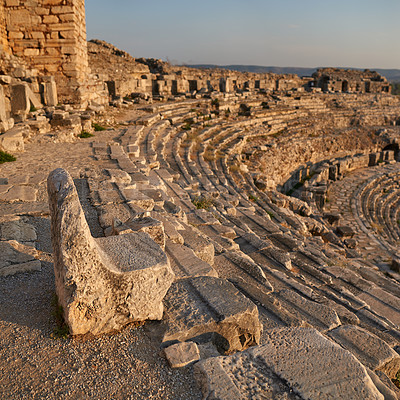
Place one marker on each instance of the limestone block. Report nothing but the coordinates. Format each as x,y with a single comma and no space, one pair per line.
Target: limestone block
50,19
49,92
20,105
13,260
203,306
12,140
17,230
293,360
105,283
182,354
370,350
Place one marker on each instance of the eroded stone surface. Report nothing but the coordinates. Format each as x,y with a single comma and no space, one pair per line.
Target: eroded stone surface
102,284
298,360
17,230
19,193
181,354
208,305
14,260
373,352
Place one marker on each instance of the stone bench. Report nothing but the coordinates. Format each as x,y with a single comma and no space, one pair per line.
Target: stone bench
105,283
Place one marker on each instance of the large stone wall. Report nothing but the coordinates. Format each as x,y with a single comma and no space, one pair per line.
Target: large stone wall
341,80
3,32
50,35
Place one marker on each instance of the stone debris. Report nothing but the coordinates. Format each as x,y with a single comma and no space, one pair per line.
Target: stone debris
13,260
102,284
182,354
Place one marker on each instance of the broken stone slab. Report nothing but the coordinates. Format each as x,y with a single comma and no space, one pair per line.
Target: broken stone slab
384,385
382,303
12,269
395,266
151,226
292,361
20,104
156,194
189,264
6,123
247,264
200,244
17,230
345,231
278,256
137,198
318,315
13,260
180,355
170,228
205,308
12,140
49,91
105,283
19,193
119,176
370,350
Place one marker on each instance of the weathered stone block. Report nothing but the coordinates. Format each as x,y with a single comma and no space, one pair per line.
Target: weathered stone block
208,306
181,354
12,140
20,104
292,360
102,284
49,91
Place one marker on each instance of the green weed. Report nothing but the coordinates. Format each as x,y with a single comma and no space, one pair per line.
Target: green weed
6,157
61,331
203,202
98,127
84,135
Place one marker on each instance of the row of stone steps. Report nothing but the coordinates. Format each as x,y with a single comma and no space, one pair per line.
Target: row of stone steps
294,279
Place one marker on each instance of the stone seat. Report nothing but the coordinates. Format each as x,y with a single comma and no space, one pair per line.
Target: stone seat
102,284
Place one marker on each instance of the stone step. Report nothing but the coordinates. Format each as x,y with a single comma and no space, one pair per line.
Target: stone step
294,363
208,308
370,350
189,265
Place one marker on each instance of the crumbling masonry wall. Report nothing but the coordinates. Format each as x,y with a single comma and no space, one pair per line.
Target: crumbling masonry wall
3,32
50,35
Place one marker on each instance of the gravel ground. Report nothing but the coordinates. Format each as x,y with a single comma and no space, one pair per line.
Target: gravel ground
37,364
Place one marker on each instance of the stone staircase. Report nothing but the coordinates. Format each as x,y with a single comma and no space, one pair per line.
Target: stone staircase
252,265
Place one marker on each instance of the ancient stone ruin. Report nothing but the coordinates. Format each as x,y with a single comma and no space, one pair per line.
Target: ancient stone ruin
105,283
248,222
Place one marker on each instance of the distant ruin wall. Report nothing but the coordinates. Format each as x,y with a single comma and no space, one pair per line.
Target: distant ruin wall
50,35
3,31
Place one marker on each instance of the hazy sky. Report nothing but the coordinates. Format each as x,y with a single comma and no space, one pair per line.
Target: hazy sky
301,33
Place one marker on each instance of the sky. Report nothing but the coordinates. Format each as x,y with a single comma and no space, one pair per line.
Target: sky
285,33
